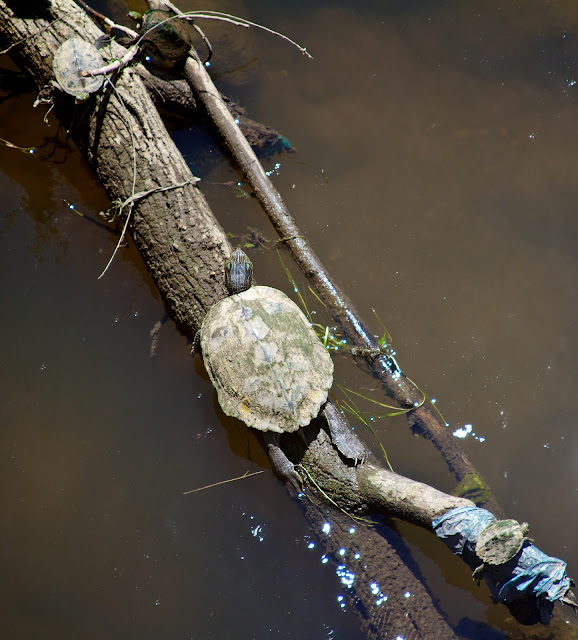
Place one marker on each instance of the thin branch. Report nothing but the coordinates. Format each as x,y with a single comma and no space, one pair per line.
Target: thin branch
113,66
32,35
236,20
241,22
216,484
107,21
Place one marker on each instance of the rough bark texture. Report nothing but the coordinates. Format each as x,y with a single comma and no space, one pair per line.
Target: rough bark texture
179,239
380,588
367,488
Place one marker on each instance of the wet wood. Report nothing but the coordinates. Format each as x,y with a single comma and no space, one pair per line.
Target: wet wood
380,588
180,241
367,488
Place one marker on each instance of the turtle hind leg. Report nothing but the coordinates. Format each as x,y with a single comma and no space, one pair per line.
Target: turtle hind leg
196,348
341,436
282,466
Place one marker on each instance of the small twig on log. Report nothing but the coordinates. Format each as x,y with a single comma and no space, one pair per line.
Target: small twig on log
22,40
133,149
143,194
129,202
128,57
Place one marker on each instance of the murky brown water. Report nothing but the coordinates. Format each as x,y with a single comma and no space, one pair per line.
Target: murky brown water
436,177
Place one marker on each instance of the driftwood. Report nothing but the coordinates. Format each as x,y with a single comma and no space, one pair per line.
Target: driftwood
184,248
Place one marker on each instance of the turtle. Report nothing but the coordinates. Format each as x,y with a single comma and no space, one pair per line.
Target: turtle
499,542
72,58
164,36
268,366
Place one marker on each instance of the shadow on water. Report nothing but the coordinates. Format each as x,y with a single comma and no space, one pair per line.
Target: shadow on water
435,176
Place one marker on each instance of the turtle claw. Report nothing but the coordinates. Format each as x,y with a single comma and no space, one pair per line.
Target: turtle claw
282,466
293,479
196,348
347,444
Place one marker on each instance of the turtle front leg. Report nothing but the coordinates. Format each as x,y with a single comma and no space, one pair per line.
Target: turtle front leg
478,571
341,436
282,466
196,348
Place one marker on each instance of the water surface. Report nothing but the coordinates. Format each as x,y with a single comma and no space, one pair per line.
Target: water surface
435,177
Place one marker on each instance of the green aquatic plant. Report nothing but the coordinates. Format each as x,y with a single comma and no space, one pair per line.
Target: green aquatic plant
472,487
329,336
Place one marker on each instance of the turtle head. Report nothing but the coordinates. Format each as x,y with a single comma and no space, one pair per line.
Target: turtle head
136,16
238,272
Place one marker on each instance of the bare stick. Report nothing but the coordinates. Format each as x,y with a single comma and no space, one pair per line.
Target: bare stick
107,21
113,66
217,484
236,20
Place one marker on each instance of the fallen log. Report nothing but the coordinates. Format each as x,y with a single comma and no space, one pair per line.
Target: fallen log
380,362
125,141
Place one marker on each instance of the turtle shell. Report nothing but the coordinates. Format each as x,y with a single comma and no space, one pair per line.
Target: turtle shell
168,40
74,56
268,366
500,541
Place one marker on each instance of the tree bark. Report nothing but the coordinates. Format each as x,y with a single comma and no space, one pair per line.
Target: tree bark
180,240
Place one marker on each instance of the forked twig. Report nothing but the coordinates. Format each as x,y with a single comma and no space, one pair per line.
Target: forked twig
236,20
189,15
130,201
